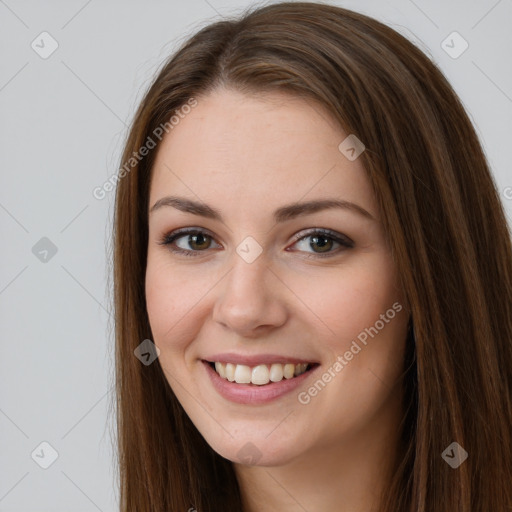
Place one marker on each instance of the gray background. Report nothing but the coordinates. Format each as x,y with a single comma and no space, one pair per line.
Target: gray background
62,124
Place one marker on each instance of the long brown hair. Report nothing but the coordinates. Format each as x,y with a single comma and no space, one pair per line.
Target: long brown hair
446,227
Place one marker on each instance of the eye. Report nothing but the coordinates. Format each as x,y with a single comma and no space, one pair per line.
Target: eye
324,239
196,241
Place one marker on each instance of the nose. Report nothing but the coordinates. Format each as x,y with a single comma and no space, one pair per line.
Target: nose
251,301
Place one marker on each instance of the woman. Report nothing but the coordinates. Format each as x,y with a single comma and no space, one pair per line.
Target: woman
314,270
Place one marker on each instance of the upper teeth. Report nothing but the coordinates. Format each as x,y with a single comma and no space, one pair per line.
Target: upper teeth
261,374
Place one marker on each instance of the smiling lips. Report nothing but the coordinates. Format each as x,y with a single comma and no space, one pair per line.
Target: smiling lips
257,379
260,374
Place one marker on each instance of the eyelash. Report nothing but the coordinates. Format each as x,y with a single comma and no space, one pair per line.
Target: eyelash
344,242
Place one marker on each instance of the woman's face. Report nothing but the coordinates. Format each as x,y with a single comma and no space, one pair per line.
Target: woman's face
261,289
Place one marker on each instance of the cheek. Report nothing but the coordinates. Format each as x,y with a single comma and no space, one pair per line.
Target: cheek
172,298
173,303
366,352
161,305
344,301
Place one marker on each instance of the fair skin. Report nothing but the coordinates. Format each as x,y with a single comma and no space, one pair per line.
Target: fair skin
247,156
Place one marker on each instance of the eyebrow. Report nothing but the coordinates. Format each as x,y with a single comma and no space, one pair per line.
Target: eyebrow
282,214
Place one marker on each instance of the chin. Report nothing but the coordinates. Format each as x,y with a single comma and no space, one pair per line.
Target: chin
256,450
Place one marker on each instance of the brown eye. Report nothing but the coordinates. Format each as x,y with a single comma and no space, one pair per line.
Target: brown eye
194,242
322,242
198,241
325,243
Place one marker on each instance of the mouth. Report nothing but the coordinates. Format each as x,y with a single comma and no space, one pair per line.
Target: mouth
261,374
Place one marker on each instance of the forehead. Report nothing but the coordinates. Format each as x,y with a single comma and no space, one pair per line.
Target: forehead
246,151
